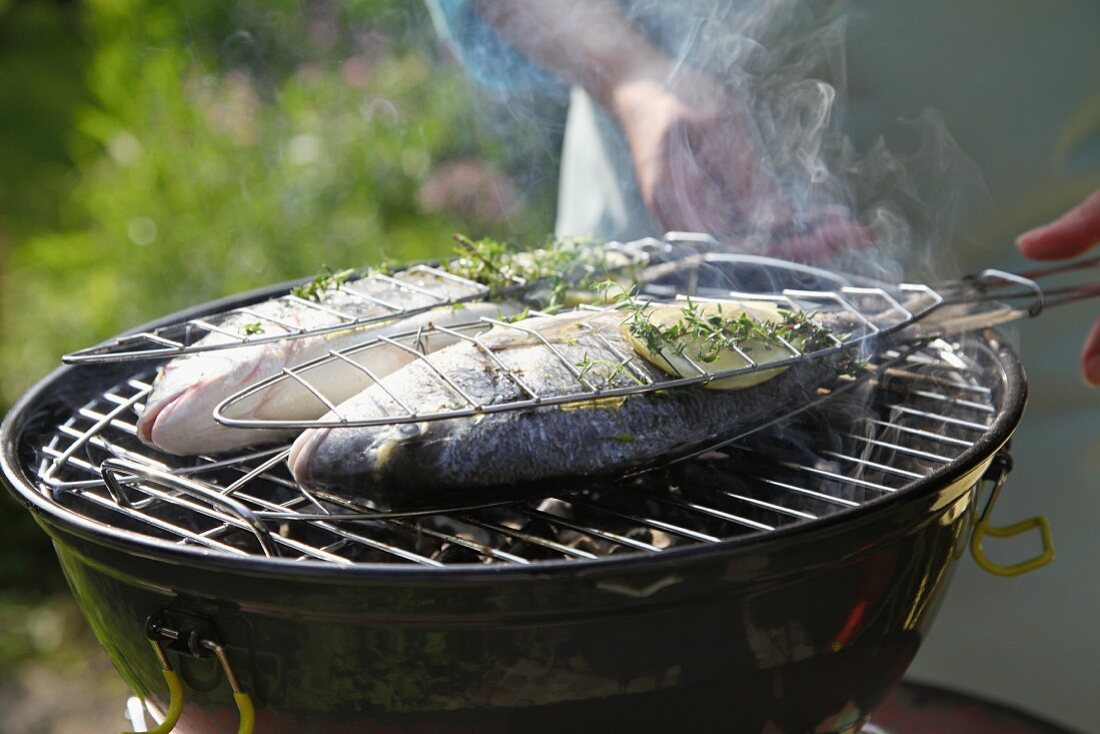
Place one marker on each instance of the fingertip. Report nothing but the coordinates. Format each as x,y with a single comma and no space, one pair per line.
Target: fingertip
1044,243
1090,356
1069,235
1091,370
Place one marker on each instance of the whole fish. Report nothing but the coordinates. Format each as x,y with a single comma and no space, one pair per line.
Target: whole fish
177,417
414,464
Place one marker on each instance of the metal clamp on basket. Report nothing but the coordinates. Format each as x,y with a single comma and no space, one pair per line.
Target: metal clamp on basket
997,473
191,634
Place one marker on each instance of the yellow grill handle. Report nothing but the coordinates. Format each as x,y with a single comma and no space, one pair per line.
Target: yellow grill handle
1002,465
175,695
248,713
190,633
1007,531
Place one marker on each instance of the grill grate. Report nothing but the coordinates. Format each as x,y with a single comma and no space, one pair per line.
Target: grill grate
921,412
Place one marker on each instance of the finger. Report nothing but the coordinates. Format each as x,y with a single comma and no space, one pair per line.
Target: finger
839,234
686,204
832,235
1067,236
684,195
1090,356
739,172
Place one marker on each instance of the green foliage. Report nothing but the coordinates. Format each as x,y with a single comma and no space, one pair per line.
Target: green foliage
232,145
41,86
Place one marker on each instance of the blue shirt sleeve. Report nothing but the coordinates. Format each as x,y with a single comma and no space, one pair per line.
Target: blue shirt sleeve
489,58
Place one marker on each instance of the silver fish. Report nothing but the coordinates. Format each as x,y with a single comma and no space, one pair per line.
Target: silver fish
177,417
416,463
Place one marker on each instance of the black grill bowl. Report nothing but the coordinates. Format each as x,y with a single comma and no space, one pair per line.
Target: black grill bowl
797,630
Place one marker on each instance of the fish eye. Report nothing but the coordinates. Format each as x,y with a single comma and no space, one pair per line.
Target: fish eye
408,430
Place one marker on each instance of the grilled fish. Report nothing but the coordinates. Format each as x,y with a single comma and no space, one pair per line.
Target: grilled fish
413,464
177,417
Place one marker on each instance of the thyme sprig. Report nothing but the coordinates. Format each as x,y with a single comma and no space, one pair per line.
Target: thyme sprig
317,289
605,370
711,332
563,267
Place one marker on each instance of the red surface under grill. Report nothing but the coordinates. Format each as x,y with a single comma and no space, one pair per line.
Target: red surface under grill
915,708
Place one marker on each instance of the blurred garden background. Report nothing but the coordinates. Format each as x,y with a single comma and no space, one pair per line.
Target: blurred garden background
155,154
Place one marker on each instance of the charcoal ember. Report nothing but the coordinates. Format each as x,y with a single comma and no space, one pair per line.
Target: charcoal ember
556,506
641,535
589,545
534,528
453,526
454,553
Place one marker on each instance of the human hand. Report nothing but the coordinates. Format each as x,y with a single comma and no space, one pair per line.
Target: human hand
1068,236
699,168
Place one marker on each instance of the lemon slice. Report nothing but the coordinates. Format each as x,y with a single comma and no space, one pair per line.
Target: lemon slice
672,357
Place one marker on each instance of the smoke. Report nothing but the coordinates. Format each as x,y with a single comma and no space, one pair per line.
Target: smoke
784,62
790,62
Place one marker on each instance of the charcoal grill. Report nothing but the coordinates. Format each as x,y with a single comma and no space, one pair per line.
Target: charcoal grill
784,581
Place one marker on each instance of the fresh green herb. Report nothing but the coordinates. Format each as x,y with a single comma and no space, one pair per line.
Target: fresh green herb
317,289
604,371
254,327
712,331
389,266
516,316
563,270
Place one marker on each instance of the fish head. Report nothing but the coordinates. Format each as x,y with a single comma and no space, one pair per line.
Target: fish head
178,415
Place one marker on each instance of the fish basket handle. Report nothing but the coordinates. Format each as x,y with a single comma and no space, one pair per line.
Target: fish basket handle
119,473
997,473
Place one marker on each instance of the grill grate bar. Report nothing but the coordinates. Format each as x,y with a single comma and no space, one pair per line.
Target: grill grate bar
526,537
927,415
827,498
615,538
908,450
305,550
969,404
771,506
480,548
650,522
98,426
947,440
343,533
712,512
884,468
201,509
109,504
836,476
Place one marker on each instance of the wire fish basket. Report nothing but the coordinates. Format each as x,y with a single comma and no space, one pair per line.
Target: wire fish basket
353,300
871,319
